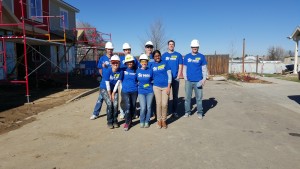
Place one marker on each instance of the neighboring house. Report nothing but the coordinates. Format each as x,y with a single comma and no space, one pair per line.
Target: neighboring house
45,39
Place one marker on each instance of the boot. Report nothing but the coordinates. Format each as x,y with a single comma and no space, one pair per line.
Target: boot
164,124
159,124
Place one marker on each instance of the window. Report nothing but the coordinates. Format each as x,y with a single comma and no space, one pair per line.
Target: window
64,13
35,9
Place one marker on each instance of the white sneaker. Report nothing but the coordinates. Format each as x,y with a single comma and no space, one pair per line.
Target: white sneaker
186,115
200,117
93,117
121,116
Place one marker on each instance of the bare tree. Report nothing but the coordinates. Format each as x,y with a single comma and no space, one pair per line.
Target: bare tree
157,35
82,24
276,53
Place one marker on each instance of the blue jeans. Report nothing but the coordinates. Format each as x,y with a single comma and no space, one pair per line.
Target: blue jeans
145,104
112,107
189,87
175,88
98,105
129,105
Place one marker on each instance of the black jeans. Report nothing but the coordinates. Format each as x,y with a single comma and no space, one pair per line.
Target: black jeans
112,107
129,105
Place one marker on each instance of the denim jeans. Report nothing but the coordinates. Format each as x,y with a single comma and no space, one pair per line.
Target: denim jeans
112,107
145,104
129,105
98,105
189,87
173,104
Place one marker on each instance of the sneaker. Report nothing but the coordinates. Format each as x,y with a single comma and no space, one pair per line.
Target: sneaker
126,127
116,125
121,116
175,115
110,126
146,125
142,125
93,117
200,116
186,115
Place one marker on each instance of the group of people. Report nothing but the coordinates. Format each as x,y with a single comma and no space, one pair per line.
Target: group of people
150,79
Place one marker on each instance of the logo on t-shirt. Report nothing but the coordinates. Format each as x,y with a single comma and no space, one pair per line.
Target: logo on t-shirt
114,77
173,57
167,58
196,60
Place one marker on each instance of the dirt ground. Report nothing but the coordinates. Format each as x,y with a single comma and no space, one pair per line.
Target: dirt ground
15,111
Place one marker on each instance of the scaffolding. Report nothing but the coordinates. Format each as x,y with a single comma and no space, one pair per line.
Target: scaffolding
89,39
20,35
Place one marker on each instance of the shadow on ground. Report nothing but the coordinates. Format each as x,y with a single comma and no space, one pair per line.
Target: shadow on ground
14,95
296,98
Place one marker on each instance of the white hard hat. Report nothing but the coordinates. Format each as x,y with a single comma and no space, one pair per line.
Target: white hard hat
129,58
195,43
126,46
149,43
144,57
109,45
115,57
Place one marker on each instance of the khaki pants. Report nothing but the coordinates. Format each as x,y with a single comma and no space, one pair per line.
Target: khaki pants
161,98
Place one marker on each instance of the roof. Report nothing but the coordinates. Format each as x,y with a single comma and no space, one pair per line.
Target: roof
68,5
296,34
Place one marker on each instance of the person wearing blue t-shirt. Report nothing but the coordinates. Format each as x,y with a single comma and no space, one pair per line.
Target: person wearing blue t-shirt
145,91
129,91
148,52
174,60
194,73
123,66
103,63
162,79
112,78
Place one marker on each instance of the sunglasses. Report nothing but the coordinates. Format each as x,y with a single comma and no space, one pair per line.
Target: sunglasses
114,62
149,47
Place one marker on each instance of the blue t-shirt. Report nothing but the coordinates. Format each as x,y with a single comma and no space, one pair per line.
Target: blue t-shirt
151,60
129,81
194,65
174,60
144,78
112,77
160,75
103,60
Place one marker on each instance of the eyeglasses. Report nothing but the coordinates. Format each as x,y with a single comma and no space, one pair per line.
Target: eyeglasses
114,62
149,47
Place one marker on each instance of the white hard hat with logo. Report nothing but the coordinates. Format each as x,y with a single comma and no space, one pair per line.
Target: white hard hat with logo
109,45
115,57
149,43
195,43
129,58
126,46
143,57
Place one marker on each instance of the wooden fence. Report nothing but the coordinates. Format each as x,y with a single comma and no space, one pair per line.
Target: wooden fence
217,64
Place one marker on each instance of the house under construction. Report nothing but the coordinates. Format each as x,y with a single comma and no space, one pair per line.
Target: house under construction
39,39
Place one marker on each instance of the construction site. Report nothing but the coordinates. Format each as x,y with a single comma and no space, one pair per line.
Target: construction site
44,58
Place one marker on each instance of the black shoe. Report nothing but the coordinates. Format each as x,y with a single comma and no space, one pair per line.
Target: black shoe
116,125
110,126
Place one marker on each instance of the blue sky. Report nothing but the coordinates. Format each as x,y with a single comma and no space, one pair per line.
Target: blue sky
219,25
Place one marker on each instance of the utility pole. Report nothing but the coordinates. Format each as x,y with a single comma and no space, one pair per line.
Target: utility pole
243,57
